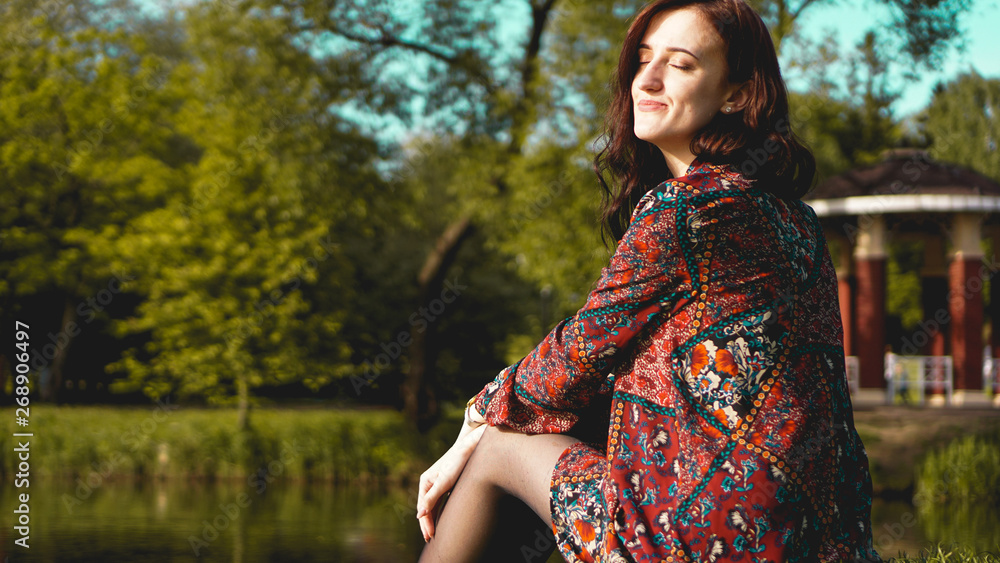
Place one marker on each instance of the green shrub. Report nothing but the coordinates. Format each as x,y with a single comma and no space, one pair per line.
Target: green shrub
965,471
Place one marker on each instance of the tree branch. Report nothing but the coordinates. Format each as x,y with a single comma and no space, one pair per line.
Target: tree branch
386,40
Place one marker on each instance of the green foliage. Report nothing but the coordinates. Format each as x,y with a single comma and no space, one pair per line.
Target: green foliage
83,146
920,31
853,126
962,123
903,275
225,264
344,446
961,480
965,471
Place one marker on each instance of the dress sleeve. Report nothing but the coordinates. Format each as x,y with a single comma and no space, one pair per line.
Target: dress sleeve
647,277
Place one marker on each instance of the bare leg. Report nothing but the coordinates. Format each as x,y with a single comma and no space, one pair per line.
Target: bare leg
499,509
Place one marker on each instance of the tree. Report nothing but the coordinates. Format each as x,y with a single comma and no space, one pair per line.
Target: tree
922,29
82,149
230,259
962,123
854,126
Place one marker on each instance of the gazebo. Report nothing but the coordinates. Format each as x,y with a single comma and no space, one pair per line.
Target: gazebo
950,211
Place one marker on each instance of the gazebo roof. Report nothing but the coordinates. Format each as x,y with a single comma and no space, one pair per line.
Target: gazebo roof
906,181
906,171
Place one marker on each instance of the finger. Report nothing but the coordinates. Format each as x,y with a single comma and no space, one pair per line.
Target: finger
422,498
431,499
431,528
427,527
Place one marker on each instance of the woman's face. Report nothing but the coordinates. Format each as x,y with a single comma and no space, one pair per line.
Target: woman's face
681,84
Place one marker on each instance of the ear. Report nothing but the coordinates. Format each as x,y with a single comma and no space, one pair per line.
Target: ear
738,97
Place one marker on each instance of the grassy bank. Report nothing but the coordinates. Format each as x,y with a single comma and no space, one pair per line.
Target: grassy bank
357,446
899,439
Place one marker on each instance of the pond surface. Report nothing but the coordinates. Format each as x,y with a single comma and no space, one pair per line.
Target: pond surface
244,522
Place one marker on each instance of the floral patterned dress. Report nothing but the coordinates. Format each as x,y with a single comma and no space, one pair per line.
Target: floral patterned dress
713,345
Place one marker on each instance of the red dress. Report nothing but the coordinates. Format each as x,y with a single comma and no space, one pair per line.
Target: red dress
714,336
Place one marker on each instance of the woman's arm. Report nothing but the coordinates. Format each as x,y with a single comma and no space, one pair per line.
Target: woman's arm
646,279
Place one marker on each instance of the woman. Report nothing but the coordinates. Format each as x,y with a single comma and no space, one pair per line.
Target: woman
714,332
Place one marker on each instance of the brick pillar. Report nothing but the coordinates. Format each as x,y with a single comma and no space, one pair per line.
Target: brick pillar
869,303
965,300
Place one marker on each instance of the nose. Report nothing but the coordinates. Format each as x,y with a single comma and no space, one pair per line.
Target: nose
648,79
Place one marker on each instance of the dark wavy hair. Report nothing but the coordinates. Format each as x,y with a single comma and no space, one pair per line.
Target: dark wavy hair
758,140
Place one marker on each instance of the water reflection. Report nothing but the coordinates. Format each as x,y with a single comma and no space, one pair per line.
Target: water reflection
900,527
233,522
245,522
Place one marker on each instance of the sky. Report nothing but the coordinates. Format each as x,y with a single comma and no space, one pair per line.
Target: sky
849,20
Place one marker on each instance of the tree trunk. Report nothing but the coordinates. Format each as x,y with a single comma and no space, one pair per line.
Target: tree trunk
50,392
243,403
419,399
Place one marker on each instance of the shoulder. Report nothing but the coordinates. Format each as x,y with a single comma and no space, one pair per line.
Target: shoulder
703,178
703,183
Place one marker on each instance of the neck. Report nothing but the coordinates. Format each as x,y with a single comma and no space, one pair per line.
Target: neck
678,161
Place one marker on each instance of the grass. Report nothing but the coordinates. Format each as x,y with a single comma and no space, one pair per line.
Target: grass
357,446
950,554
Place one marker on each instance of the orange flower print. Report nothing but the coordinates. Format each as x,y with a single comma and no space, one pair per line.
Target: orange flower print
699,359
585,530
787,428
725,363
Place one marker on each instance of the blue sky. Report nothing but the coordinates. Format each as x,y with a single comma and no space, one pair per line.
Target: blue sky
850,19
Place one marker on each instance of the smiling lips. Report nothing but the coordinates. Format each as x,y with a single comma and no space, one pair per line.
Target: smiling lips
650,105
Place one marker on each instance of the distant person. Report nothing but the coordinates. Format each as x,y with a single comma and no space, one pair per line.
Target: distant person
714,336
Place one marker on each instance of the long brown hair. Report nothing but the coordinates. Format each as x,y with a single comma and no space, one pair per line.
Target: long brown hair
758,140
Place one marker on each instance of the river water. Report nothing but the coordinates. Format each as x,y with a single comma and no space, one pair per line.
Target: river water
244,522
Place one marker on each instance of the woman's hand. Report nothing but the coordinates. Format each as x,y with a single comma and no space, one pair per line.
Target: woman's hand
442,476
